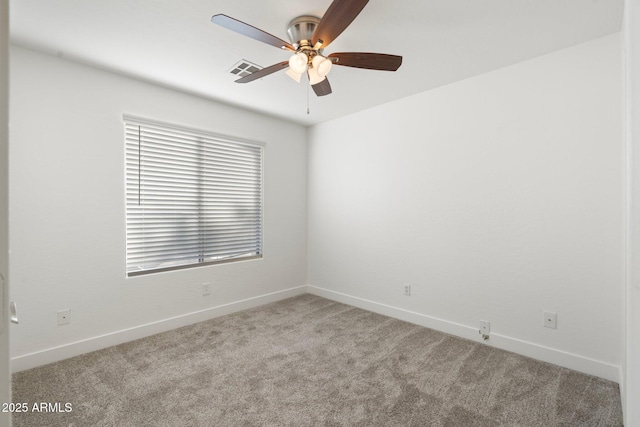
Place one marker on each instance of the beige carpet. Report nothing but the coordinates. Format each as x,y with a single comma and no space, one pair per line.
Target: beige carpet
308,361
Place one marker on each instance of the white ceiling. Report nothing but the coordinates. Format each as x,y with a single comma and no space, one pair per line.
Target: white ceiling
173,43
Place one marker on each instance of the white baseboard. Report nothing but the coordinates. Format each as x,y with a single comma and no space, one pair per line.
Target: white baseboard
546,354
50,355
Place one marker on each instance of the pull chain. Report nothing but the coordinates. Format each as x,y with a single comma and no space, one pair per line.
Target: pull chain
308,86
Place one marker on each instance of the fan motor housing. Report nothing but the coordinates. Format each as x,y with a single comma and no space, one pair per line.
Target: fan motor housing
301,29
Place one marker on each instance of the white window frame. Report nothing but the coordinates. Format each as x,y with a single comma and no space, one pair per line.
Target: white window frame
193,197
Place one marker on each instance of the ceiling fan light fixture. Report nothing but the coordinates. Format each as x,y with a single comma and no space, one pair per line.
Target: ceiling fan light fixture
309,37
322,65
295,76
298,62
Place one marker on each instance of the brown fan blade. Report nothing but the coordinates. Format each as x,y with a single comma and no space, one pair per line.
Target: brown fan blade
338,17
264,72
370,61
250,31
323,88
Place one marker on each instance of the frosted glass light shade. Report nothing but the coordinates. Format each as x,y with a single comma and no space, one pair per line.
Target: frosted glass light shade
314,77
295,76
322,65
298,62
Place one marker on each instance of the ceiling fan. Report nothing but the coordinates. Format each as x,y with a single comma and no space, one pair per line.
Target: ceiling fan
309,37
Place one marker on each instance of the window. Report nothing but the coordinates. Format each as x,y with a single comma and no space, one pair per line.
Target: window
193,198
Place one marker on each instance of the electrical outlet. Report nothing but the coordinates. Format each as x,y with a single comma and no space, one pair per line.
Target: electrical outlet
64,317
550,320
407,289
206,289
485,329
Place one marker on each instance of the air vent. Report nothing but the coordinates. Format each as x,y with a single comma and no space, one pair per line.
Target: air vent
244,68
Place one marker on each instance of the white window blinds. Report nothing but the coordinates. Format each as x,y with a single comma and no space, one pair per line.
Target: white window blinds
193,198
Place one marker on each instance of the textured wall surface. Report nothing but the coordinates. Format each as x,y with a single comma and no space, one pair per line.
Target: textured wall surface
495,198
68,214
